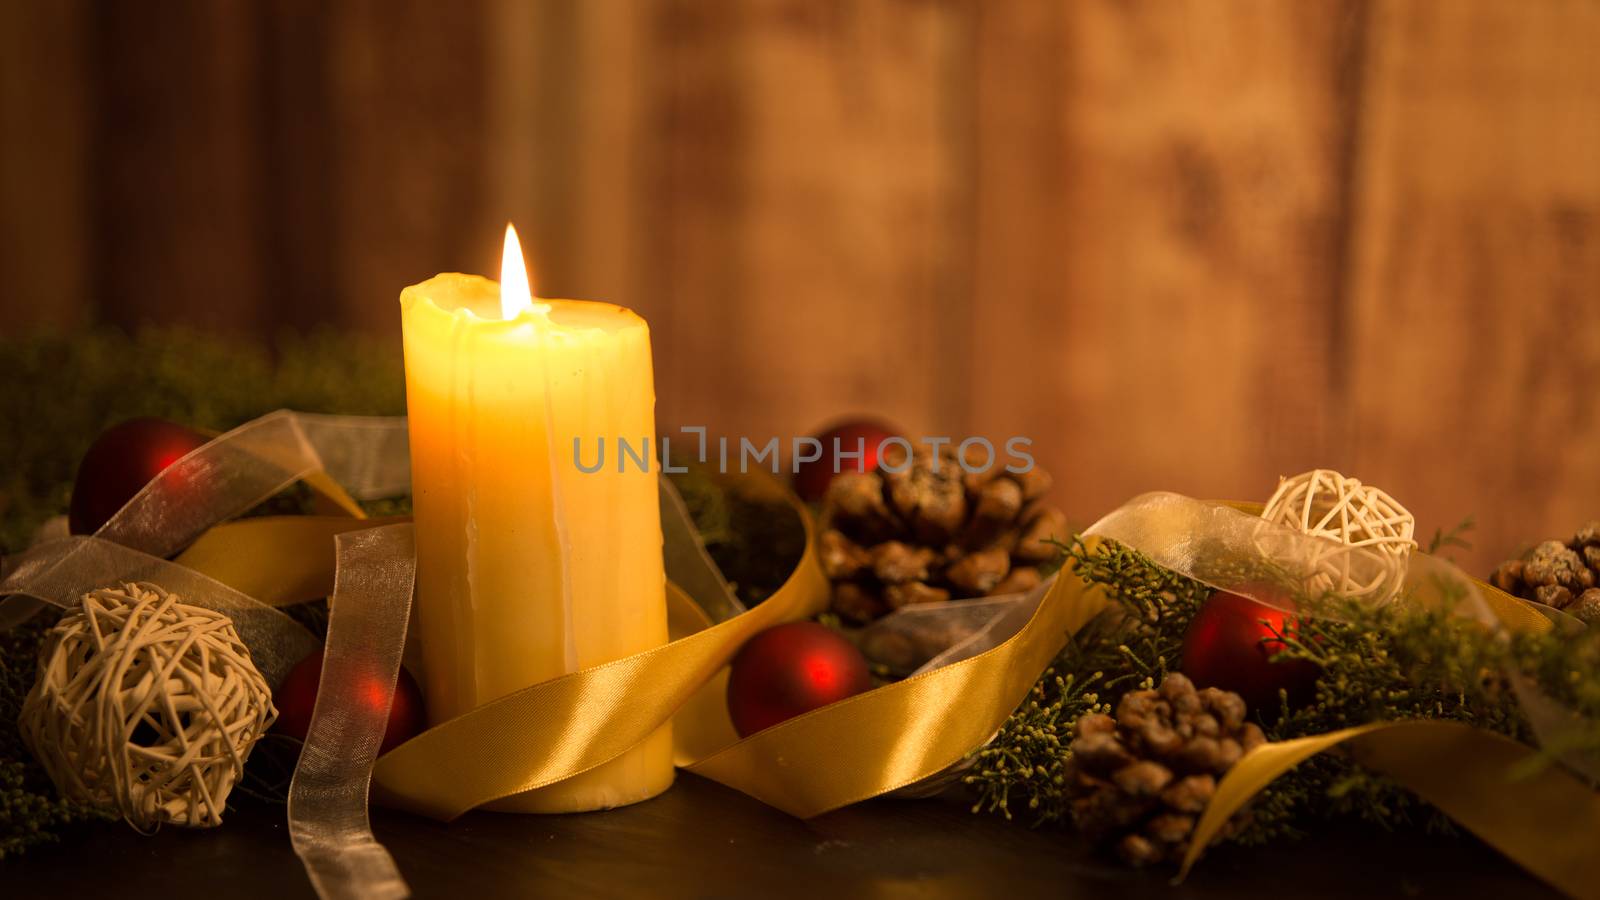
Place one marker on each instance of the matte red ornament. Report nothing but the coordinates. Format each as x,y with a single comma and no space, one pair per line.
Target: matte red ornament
119,463
812,478
791,669
1230,645
297,697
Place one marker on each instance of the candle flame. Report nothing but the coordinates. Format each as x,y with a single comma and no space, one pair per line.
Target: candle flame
515,294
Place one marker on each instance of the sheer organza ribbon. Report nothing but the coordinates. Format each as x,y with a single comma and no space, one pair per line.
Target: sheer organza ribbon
366,639
337,455
865,746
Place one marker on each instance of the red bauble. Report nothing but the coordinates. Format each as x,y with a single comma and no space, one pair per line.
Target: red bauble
791,669
297,696
120,462
812,477
1230,645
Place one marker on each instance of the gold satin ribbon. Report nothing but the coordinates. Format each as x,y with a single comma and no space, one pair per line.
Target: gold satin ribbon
861,747
279,560
864,746
876,742
568,725
536,736
900,733
1547,822
1515,613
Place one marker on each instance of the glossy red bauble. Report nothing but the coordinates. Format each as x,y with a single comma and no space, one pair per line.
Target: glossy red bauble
119,463
1230,645
792,669
812,477
297,697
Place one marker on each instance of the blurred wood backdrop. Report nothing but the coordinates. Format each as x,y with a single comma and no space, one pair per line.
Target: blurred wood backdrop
1185,245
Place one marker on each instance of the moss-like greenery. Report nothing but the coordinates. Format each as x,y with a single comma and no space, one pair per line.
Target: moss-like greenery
30,811
755,543
61,392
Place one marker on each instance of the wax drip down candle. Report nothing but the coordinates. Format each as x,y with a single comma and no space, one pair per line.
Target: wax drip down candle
529,567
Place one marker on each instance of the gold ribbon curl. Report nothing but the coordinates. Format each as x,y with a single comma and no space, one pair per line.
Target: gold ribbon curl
1547,822
884,739
859,748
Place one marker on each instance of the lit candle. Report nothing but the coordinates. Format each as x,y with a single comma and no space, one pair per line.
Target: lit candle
529,567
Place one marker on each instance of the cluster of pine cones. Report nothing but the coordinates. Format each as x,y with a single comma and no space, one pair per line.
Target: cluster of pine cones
1138,781
1563,575
934,530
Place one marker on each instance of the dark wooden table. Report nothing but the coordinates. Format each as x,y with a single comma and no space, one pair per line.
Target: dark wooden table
703,840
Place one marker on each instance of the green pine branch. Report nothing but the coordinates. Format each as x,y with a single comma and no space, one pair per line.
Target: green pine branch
1392,662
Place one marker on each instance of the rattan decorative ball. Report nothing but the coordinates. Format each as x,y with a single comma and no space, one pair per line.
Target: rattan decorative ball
146,705
1375,533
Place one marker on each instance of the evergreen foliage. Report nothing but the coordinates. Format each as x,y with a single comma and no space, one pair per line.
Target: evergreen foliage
1393,662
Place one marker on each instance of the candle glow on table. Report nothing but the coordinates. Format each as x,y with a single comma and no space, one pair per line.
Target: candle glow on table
527,567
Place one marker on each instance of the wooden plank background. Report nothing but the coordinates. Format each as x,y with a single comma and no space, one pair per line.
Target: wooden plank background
1187,245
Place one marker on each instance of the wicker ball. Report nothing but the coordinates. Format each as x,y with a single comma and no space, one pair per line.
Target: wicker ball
147,706
1375,532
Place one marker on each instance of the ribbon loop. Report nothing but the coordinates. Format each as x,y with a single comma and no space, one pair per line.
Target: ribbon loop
536,736
366,639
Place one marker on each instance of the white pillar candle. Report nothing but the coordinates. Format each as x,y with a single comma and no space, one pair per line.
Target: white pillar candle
527,567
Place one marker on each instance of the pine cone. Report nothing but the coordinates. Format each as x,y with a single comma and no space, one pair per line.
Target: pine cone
1563,575
1139,781
932,531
